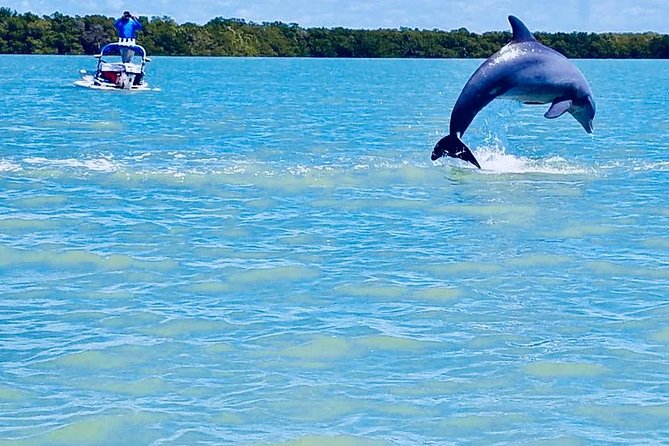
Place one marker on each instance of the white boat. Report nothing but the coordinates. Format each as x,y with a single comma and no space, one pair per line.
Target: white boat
120,67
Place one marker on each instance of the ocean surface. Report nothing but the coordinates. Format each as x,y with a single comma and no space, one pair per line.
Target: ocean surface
260,252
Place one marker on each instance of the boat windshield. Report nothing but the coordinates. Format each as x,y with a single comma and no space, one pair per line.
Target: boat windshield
116,50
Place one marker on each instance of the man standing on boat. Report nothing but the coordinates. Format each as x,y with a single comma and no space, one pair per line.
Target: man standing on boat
127,26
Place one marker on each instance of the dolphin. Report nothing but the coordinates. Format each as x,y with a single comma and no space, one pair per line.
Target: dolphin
523,70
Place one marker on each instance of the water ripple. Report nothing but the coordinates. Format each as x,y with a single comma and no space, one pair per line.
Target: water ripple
288,267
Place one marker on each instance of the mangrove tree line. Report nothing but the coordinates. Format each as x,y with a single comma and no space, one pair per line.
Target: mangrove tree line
62,34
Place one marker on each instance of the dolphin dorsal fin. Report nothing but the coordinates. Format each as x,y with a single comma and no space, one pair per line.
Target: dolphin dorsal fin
520,31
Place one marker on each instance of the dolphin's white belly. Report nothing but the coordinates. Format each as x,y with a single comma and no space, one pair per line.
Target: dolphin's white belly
543,94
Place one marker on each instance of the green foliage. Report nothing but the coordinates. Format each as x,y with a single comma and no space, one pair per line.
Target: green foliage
61,34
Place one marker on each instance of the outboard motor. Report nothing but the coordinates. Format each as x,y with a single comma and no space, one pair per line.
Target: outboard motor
124,81
129,81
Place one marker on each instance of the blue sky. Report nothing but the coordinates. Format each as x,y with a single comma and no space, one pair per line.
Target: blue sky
475,15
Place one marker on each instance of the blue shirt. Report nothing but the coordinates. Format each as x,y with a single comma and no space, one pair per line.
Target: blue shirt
127,27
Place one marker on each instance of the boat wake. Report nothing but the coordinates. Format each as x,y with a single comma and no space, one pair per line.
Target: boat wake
94,165
8,166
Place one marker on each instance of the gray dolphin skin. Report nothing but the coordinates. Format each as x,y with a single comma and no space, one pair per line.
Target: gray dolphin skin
523,70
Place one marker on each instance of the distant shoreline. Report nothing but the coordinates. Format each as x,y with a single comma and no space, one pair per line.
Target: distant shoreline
28,33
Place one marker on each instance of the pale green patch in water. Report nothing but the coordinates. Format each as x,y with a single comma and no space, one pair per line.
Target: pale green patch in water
218,347
228,418
212,287
113,358
515,215
539,260
373,290
437,294
637,417
453,386
318,409
405,204
106,429
581,230
79,259
459,268
565,370
611,268
45,201
319,440
272,274
11,394
477,423
301,240
320,348
392,343
558,441
26,225
186,328
141,388
492,341
657,242
662,335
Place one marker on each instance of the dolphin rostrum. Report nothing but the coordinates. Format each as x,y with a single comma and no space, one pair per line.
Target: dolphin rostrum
526,71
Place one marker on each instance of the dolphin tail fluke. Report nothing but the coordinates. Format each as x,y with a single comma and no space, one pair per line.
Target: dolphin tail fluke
453,146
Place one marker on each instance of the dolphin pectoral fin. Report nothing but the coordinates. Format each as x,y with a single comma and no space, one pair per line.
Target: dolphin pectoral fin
453,146
558,108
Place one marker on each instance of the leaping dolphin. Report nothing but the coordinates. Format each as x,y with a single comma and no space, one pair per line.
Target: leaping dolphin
526,71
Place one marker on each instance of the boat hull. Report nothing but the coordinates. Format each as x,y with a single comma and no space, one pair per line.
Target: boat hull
90,81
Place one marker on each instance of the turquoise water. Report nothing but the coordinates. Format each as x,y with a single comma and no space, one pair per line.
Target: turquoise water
262,253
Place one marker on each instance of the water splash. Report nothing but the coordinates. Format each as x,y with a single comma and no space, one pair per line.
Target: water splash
494,160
